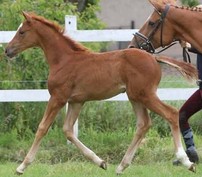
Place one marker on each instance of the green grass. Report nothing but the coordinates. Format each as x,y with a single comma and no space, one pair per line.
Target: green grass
175,81
153,159
79,169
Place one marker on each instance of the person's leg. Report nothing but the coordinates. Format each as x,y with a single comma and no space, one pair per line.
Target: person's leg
190,107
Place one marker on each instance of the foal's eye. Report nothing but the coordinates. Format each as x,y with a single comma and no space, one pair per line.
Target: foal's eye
151,23
21,32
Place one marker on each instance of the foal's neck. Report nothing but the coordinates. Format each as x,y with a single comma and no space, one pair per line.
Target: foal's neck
57,47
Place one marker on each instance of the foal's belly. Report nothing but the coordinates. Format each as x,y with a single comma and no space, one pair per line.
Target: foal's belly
93,93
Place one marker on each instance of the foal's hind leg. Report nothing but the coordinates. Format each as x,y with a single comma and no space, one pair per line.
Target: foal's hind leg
72,114
171,115
143,124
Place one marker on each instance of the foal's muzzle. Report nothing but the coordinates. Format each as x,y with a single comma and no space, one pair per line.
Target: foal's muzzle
9,52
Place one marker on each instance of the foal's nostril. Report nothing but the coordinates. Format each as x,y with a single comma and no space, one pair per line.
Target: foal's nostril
6,51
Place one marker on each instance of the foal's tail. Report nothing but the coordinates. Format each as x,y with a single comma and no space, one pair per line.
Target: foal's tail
186,69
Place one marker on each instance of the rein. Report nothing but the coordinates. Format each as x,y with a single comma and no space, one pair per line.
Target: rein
147,44
186,56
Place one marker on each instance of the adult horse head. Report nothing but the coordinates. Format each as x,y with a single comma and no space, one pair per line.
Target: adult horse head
169,23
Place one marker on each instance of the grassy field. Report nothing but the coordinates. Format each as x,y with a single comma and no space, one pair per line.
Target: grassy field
78,169
154,157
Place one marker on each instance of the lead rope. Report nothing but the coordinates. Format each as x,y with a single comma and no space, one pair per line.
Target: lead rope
165,48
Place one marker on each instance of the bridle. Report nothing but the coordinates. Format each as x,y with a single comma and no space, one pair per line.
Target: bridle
145,42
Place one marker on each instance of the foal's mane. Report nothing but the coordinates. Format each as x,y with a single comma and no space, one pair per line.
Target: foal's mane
73,44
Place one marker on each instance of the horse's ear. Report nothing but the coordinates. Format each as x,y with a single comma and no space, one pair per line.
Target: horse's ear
161,3
172,2
158,4
27,16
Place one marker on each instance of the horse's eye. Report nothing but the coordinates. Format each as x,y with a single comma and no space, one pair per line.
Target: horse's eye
151,23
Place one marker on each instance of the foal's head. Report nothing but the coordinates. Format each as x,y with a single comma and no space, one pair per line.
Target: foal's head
24,38
29,33
157,30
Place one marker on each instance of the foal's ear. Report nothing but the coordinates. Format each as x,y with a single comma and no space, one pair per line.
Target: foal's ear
27,16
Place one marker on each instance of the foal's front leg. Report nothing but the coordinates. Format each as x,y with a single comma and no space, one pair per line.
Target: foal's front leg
72,114
52,109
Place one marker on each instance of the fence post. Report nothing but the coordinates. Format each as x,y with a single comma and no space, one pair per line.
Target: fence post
71,25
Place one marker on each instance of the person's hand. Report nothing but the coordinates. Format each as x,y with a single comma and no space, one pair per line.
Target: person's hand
185,44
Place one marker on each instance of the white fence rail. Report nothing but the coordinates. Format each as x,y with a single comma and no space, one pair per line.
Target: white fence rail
42,95
85,35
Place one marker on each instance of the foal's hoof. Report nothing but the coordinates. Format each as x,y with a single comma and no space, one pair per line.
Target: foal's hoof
193,168
103,165
119,173
119,170
18,173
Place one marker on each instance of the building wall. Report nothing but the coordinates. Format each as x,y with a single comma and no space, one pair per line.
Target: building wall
120,13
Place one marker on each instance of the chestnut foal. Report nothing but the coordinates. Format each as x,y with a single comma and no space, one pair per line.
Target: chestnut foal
78,75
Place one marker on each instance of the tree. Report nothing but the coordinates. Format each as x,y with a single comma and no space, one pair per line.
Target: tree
82,4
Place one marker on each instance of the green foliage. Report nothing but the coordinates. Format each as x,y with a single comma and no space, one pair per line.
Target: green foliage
50,9
190,3
111,146
107,116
